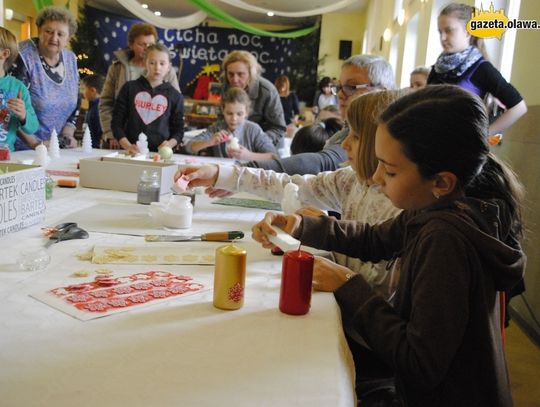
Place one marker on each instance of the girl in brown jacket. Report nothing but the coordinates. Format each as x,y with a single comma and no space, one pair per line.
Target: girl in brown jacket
458,244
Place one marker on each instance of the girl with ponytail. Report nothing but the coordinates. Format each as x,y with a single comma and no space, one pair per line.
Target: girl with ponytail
464,62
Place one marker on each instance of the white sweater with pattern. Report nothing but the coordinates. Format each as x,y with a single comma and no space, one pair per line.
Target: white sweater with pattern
338,191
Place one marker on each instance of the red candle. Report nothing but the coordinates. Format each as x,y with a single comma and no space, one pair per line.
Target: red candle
4,152
296,278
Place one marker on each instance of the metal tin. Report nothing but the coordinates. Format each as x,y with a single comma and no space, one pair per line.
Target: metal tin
229,277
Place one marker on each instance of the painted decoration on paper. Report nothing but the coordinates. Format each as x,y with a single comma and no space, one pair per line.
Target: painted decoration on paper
107,295
193,49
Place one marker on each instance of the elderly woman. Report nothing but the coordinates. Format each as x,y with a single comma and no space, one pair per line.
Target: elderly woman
128,65
241,70
49,71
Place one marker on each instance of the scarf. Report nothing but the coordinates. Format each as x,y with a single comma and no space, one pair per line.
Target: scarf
454,65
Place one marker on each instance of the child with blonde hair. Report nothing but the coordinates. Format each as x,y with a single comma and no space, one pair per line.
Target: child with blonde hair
149,105
16,111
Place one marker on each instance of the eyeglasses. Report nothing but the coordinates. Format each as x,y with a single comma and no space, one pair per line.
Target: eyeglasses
350,89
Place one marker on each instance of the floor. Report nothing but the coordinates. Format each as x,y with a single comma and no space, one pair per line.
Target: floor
523,358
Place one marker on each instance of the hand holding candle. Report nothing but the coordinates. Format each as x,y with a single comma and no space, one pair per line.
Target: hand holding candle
198,176
267,226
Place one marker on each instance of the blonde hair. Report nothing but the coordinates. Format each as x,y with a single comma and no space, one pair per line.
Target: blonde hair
282,82
464,13
159,48
8,41
247,58
362,115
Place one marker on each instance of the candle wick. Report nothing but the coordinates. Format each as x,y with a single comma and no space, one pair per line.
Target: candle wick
299,247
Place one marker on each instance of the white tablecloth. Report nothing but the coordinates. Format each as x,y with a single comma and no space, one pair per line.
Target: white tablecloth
183,352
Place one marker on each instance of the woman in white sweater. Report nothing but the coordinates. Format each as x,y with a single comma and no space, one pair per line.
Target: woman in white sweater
348,191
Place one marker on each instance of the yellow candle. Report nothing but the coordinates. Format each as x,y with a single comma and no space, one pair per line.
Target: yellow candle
229,277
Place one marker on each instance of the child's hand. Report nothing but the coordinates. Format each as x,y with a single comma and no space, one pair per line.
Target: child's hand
329,276
199,176
240,153
17,107
288,223
220,137
132,150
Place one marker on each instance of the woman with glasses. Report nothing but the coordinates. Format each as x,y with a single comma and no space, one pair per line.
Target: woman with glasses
356,72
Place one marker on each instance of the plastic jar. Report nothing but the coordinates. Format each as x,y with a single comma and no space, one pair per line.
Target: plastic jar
149,188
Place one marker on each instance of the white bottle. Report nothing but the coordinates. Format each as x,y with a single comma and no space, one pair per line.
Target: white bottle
290,201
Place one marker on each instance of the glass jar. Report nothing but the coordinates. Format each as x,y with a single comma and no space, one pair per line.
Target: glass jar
49,185
148,188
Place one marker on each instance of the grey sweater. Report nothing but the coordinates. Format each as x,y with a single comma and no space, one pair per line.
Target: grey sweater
328,159
249,135
442,337
266,109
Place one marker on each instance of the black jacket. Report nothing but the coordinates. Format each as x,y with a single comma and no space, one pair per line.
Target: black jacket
157,112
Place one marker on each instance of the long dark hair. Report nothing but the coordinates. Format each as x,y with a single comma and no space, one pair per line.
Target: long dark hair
445,128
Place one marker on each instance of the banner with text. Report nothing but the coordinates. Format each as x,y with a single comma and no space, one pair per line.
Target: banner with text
201,49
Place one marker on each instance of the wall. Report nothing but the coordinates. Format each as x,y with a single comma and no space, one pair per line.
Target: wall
336,27
26,8
523,140
380,16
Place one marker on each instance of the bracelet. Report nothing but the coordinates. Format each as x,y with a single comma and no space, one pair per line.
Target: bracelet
348,276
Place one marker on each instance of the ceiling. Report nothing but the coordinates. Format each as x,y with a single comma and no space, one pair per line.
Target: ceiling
180,8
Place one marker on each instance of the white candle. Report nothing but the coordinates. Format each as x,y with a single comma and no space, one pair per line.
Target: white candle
42,157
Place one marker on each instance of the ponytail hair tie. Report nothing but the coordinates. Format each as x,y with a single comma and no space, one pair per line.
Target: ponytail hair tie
322,124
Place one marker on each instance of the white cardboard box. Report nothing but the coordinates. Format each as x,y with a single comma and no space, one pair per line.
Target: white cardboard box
22,196
121,174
